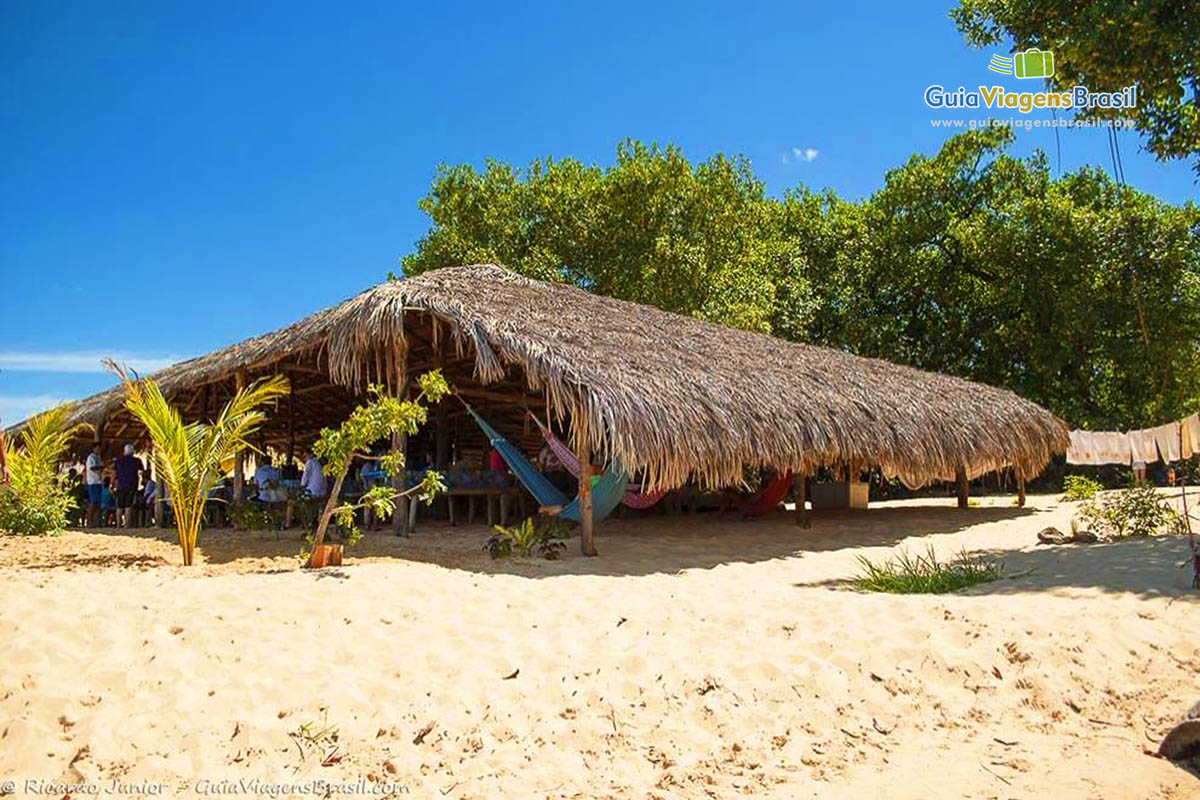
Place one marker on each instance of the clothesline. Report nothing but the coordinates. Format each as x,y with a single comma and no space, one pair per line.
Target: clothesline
1172,442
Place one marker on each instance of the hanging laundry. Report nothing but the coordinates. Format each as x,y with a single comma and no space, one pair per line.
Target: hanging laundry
1167,439
1142,446
1082,448
1112,447
1189,436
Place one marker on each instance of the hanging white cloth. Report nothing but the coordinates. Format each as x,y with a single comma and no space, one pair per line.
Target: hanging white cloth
1112,447
1142,446
1167,439
1082,449
1189,436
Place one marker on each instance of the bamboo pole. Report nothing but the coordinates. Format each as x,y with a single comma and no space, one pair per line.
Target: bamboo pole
587,533
803,519
964,487
1020,486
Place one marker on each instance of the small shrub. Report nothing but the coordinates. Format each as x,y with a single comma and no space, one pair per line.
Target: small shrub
251,516
545,538
924,574
1137,511
1079,487
32,513
38,499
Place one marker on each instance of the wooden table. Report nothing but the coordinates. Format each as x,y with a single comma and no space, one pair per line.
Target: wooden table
500,496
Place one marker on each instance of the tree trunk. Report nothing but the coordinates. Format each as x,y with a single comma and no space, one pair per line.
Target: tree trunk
331,504
1020,487
960,477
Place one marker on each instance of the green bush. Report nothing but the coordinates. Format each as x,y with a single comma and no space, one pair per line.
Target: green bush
45,510
37,500
251,516
1079,487
1137,511
544,538
924,574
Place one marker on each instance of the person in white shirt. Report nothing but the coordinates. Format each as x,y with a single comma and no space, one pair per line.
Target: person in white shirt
313,481
94,480
267,479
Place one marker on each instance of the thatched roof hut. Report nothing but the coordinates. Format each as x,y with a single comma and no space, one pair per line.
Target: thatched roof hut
675,398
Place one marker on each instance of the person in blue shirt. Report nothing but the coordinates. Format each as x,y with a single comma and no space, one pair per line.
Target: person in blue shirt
108,503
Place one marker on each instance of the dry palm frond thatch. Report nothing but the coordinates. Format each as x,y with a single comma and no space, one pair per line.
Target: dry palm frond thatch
675,397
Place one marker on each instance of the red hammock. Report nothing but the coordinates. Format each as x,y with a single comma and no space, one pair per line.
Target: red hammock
766,499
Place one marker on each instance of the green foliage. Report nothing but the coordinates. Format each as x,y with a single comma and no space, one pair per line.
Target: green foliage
1082,296
249,516
543,537
1137,511
1080,487
187,458
381,418
1107,46
924,574
652,229
37,499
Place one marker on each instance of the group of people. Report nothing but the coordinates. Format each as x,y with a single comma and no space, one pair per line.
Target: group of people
116,494
270,482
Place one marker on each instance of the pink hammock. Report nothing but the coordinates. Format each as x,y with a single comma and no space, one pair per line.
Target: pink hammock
634,498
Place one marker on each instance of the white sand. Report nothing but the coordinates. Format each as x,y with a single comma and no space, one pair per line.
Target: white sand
692,659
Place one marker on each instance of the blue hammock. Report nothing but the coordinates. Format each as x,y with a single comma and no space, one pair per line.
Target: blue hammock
607,491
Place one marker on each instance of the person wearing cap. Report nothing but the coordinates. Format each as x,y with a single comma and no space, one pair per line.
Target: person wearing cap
129,469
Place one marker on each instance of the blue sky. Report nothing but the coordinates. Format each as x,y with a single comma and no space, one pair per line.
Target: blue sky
180,176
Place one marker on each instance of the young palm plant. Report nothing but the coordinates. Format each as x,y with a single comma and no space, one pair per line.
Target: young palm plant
36,500
187,457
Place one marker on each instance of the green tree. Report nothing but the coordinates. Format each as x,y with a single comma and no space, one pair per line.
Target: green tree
1107,46
1074,292
187,457
652,229
381,418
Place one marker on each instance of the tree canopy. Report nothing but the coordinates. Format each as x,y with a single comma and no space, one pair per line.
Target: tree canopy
1077,293
1107,46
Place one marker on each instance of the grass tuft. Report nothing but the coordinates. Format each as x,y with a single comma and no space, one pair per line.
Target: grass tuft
905,573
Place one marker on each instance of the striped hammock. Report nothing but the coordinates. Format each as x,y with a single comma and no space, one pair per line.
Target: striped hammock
633,498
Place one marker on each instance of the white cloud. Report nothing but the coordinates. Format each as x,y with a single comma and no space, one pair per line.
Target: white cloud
805,154
15,408
80,361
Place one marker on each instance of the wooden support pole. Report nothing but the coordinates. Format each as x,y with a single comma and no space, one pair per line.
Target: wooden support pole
964,490
160,510
291,418
400,524
1020,486
803,519
587,533
239,458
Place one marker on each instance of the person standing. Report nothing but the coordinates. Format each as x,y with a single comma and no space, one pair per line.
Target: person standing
313,481
93,479
129,469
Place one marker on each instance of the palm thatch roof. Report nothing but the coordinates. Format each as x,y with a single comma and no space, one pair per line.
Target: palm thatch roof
674,398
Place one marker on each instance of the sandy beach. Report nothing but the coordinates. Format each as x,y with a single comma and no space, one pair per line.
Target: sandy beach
694,658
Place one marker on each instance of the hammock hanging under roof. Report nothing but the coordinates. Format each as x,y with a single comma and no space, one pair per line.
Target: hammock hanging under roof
607,488
633,497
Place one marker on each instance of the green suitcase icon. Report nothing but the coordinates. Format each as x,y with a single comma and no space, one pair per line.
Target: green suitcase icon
1033,64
